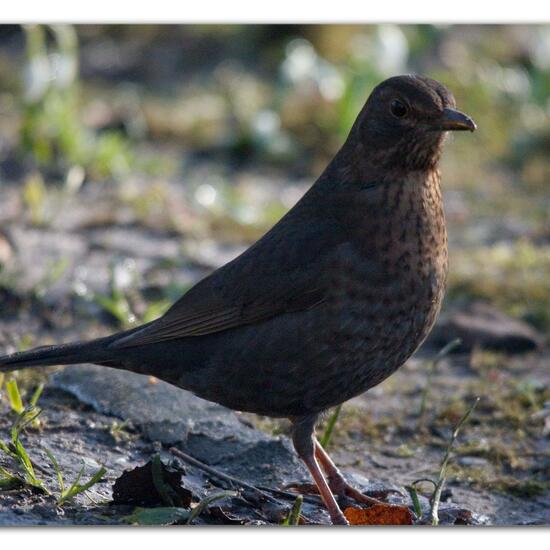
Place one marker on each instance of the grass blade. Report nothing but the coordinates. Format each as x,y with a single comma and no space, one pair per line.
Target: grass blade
36,395
432,367
76,489
57,470
201,506
416,503
325,440
434,514
158,481
9,480
16,403
293,517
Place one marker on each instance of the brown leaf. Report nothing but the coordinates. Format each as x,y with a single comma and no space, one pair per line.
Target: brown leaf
463,517
379,514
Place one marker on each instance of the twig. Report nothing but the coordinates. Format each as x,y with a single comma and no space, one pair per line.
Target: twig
443,352
220,475
443,469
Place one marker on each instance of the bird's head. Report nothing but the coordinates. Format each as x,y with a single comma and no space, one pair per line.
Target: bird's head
404,121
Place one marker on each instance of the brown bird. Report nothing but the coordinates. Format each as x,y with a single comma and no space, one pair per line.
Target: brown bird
328,303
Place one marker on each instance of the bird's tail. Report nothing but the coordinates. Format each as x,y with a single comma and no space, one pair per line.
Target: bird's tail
94,351
64,354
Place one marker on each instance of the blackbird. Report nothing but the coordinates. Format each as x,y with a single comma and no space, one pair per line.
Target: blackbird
329,302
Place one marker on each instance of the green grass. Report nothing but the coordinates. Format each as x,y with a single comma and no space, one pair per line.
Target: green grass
66,494
53,133
25,472
327,434
117,301
293,517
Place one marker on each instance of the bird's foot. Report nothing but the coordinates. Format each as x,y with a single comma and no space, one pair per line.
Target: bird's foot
340,487
338,518
337,482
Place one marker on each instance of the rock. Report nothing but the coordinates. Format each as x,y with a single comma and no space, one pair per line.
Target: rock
482,325
162,412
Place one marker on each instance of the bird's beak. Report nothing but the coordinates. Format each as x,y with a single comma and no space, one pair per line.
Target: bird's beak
452,119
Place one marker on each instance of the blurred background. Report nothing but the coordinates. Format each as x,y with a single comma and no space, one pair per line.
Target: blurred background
135,159
238,120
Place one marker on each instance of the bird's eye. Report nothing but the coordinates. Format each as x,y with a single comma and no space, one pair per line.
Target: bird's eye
398,109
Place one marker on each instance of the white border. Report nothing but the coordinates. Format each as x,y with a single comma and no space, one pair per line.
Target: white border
279,11
242,538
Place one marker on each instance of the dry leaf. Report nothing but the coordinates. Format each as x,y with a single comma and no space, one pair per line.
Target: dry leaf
379,514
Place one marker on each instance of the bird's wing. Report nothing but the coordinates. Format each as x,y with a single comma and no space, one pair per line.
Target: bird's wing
283,272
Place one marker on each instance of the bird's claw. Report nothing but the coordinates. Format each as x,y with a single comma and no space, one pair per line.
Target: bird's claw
340,487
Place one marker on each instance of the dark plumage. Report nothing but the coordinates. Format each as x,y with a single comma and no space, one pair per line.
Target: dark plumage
331,301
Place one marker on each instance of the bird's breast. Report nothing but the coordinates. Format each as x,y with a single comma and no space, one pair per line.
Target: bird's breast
389,282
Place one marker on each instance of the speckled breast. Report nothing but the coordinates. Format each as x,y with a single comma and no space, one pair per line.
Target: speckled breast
387,293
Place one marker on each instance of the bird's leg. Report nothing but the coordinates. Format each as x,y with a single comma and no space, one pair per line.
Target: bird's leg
336,481
304,443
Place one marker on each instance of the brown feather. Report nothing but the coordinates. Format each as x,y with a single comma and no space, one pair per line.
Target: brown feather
221,301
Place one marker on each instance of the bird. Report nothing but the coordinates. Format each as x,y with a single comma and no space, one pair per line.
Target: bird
332,300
